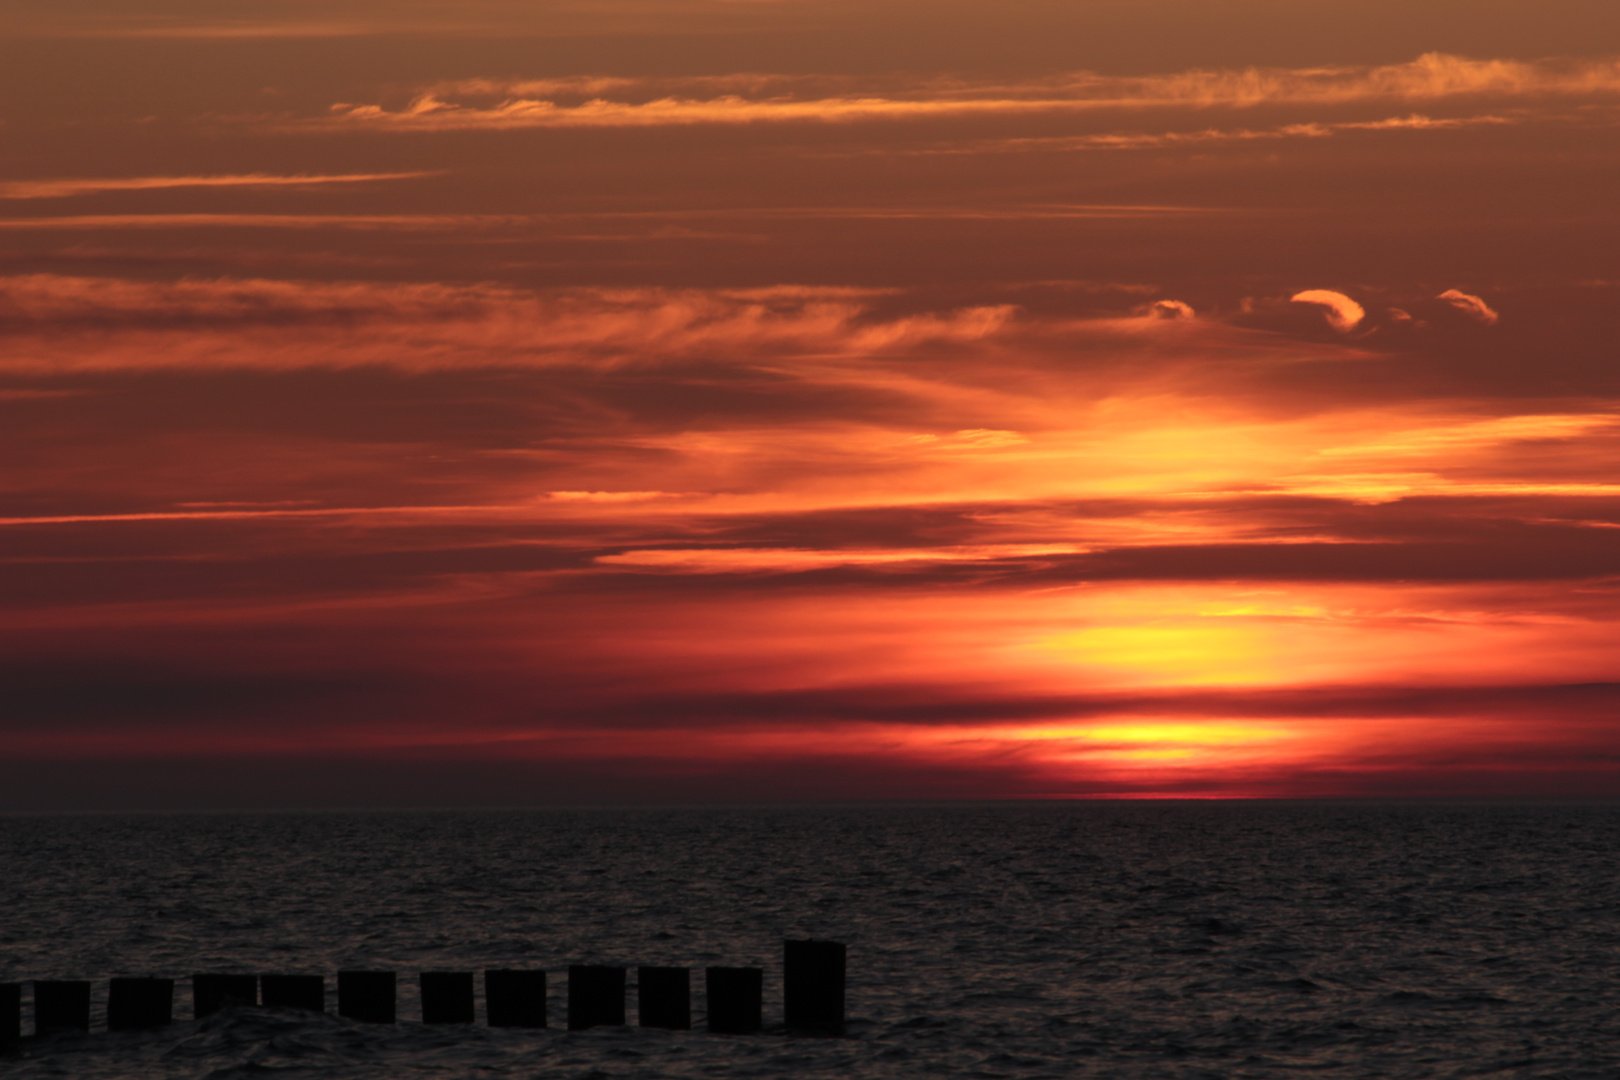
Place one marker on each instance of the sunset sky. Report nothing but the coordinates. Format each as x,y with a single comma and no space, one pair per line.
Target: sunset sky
624,401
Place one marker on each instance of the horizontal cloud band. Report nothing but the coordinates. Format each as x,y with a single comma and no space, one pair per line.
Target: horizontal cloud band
1433,76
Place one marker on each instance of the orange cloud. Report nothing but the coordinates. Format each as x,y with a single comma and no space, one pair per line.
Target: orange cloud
1472,306
1171,309
462,223
438,325
1159,140
1433,76
1341,312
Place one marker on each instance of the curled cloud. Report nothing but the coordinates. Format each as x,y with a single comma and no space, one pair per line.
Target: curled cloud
1469,305
1170,309
1341,312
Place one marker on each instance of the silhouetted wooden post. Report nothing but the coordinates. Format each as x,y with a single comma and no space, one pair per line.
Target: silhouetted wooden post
306,992
10,1014
595,996
61,1005
133,1004
664,997
366,996
211,993
515,998
447,997
735,999
813,986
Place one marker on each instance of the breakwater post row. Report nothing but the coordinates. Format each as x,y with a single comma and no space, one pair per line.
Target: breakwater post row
812,997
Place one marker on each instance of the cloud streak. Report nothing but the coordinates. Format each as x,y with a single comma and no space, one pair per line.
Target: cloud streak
65,188
1206,136
1431,77
545,222
441,325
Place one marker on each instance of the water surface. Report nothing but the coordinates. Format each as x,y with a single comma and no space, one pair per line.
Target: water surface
1049,940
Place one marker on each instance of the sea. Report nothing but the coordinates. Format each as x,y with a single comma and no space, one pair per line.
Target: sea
1029,940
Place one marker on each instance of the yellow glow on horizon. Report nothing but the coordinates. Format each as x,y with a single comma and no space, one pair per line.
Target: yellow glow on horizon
1177,741
1184,654
1200,734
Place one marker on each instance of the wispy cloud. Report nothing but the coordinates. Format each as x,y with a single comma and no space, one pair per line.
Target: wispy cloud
1129,140
239,322
157,27
97,222
62,188
487,222
792,560
1481,433
490,103
250,513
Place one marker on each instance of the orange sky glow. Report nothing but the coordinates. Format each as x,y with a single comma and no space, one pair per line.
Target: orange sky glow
695,400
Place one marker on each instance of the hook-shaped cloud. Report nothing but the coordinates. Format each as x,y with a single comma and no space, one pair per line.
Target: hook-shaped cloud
1469,305
1171,309
1341,312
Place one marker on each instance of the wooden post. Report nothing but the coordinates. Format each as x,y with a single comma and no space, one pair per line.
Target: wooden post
595,996
447,997
10,1014
134,1004
813,986
61,1005
664,997
366,996
211,993
735,996
515,998
306,992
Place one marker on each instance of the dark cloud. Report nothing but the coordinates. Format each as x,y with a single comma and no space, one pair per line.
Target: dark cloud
106,697
274,781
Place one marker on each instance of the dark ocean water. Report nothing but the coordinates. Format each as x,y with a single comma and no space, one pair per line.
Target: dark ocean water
1089,939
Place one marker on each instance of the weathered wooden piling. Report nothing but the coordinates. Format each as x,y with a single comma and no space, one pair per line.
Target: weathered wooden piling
10,1014
447,997
736,996
137,1003
595,996
515,998
211,993
813,986
366,996
61,1005
306,992
664,997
